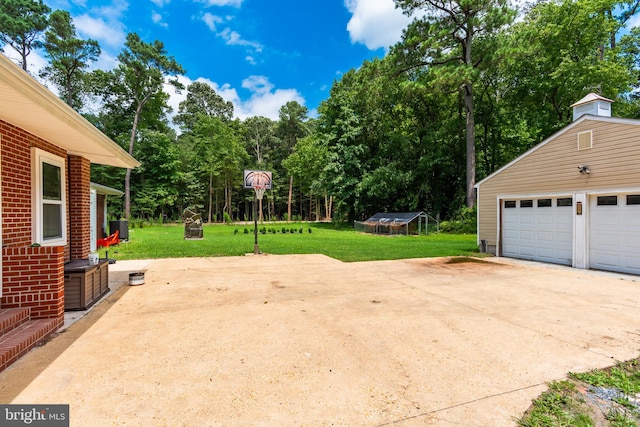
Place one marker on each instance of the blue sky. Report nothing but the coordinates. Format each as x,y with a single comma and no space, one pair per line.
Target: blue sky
259,54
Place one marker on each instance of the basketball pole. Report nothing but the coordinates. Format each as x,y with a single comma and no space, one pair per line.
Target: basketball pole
256,248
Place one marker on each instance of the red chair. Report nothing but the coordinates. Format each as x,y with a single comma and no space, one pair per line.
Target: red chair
109,240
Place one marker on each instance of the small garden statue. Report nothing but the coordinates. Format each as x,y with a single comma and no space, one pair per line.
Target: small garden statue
192,224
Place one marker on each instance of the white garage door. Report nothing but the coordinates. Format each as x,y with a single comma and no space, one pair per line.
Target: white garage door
614,233
538,229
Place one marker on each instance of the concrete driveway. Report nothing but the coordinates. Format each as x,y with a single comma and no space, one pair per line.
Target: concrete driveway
310,341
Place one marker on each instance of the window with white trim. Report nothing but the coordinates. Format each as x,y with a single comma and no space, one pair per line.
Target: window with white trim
49,198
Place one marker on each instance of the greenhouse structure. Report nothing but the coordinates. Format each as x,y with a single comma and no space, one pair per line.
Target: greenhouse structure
386,223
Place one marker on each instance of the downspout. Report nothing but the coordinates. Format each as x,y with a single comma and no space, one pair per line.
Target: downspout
68,215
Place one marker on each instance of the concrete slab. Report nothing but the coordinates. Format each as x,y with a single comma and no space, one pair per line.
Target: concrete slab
118,276
308,340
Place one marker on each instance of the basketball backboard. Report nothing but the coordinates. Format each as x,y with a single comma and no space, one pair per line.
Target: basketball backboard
254,179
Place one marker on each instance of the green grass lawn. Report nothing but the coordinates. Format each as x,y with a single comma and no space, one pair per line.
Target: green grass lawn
338,242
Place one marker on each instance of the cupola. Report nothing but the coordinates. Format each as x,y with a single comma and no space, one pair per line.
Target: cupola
592,104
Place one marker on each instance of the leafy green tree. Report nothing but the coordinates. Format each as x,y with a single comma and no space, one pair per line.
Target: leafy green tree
558,54
156,192
342,122
446,37
201,99
291,127
221,155
139,79
69,56
21,24
306,164
260,137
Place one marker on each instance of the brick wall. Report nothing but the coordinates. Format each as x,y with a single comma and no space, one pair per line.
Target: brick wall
80,199
16,183
33,277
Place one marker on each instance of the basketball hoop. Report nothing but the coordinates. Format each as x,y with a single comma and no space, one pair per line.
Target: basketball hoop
259,181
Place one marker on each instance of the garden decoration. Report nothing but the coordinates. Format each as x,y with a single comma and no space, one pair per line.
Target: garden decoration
192,225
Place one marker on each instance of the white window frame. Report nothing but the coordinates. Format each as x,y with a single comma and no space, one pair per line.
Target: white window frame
38,157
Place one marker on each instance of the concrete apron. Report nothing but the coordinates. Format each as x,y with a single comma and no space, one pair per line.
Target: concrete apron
307,340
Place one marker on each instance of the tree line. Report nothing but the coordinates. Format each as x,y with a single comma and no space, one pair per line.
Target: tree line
471,85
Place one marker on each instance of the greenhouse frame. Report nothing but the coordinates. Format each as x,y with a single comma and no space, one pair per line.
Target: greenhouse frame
394,223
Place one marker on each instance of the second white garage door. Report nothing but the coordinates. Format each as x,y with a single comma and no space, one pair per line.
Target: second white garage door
614,233
539,229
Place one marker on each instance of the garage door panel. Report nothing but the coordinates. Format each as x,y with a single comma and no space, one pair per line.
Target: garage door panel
547,253
566,218
509,219
633,242
526,235
633,219
540,233
545,236
545,220
510,235
526,219
614,236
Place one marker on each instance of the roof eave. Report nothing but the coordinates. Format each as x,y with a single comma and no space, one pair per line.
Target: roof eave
32,107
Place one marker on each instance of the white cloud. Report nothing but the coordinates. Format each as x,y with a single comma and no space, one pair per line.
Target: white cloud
375,23
234,3
211,21
160,3
234,38
106,33
104,24
634,21
264,100
157,19
230,36
35,61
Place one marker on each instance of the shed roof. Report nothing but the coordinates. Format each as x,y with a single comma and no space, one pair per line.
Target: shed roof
29,105
394,217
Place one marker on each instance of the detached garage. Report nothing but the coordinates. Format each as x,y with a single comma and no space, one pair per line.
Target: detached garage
573,199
